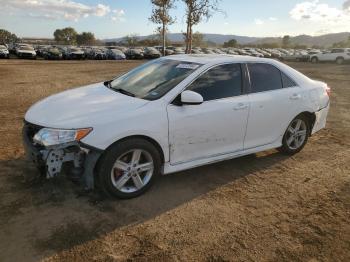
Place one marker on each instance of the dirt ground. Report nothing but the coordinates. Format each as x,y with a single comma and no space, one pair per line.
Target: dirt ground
264,207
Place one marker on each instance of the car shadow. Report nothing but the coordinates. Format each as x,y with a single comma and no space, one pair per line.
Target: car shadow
55,215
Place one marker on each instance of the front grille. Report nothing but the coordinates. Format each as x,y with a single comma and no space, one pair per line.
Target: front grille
26,55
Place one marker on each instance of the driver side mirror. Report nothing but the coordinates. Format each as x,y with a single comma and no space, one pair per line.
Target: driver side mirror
191,98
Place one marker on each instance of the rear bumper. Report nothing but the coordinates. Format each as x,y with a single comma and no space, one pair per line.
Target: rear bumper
321,119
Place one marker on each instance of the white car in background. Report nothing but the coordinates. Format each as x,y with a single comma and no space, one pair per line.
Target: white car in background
4,52
25,51
173,114
337,55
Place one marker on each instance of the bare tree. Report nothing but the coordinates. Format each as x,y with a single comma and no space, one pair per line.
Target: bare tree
160,15
196,11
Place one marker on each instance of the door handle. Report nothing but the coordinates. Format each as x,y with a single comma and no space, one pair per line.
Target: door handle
295,97
240,106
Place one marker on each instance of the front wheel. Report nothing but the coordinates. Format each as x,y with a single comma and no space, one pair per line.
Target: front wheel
129,168
296,136
314,60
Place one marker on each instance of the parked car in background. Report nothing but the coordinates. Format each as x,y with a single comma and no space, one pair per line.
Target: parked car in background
115,54
173,114
179,51
299,56
337,55
167,50
151,53
197,51
4,52
134,53
41,49
208,51
98,54
231,52
74,53
52,53
25,51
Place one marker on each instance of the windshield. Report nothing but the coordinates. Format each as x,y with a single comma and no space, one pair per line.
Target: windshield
27,48
54,50
154,79
151,49
116,51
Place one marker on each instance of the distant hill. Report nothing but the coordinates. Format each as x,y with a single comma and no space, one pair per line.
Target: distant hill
322,40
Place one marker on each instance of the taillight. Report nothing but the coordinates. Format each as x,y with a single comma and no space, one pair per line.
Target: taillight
328,91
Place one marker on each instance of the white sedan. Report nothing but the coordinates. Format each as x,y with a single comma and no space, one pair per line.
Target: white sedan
173,114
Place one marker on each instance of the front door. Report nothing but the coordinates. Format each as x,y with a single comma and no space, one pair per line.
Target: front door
215,127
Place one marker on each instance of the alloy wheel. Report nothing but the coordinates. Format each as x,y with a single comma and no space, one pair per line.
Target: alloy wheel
132,171
296,134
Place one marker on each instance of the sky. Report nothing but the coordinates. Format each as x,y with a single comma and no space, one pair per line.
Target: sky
118,18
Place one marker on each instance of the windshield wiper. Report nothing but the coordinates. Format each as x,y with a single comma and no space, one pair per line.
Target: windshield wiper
120,90
124,92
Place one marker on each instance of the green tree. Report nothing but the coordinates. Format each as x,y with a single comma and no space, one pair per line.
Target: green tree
160,15
85,38
198,39
231,43
7,37
131,40
196,11
286,41
66,35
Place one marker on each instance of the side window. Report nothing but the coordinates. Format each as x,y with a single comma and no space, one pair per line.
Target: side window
287,82
264,77
219,82
337,51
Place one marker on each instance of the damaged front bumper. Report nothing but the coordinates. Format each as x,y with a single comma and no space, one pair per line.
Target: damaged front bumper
78,159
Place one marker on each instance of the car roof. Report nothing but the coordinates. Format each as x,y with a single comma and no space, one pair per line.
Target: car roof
212,59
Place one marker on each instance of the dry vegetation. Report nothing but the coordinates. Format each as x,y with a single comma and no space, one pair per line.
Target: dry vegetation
265,207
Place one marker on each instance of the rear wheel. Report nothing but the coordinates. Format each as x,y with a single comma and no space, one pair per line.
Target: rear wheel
339,60
296,135
129,168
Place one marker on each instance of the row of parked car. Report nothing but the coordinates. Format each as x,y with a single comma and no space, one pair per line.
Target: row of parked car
338,55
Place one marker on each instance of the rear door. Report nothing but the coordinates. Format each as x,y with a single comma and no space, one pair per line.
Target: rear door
274,101
215,127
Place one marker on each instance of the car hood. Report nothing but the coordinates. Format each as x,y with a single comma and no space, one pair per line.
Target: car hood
26,51
77,52
82,107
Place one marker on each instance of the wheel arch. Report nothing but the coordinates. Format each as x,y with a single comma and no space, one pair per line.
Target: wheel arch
311,119
147,138
144,137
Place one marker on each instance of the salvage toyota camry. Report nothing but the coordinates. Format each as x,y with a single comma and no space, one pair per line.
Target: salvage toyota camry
173,114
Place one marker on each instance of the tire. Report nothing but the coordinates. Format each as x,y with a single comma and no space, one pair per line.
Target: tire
299,141
120,182
339,60
314,60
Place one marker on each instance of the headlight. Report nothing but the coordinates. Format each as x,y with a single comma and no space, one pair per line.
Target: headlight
51,136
